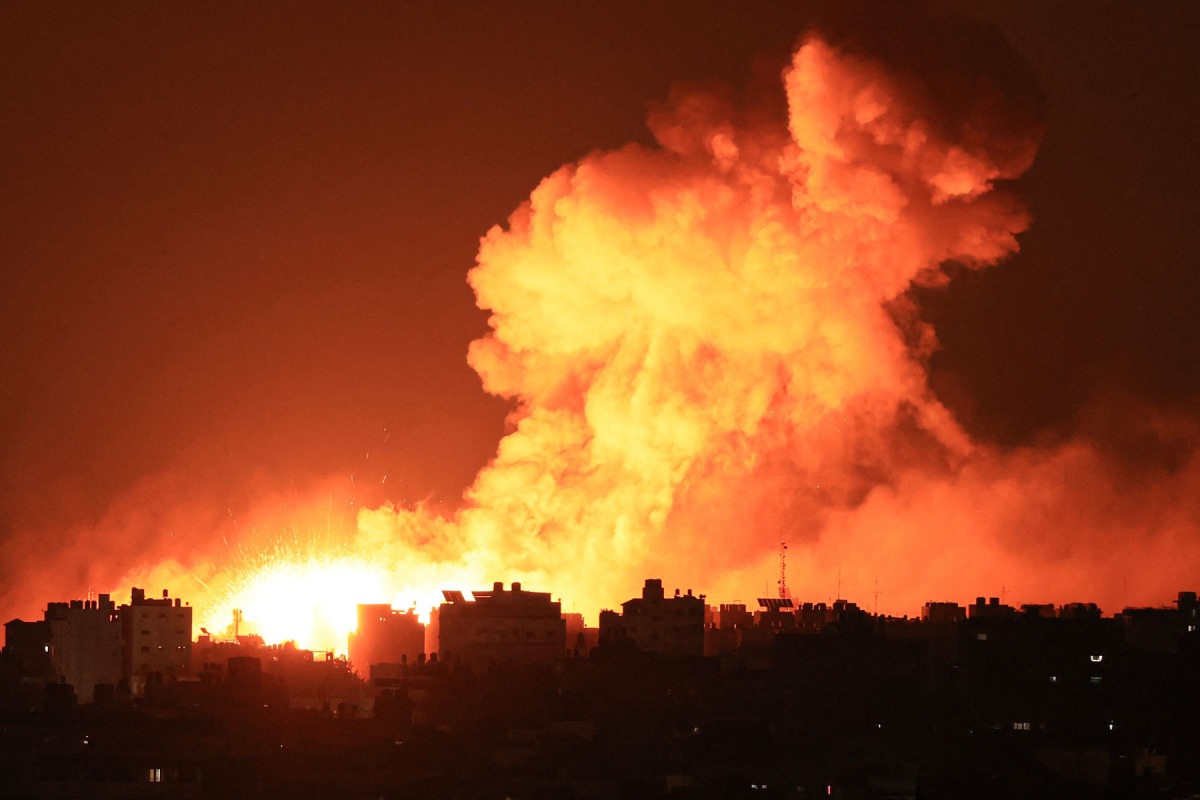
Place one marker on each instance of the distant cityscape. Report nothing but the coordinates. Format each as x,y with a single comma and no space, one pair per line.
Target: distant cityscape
503,694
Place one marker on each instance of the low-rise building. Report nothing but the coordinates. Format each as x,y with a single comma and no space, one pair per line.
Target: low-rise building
385,636
655,623
500,627
942,613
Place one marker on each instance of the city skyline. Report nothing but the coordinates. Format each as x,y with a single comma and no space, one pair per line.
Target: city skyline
341,642
916,295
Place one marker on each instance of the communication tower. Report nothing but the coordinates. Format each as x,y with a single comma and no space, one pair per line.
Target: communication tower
783,590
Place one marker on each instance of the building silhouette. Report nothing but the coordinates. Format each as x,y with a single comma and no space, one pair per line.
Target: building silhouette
157,639
385,636
87,644
500,627
655,623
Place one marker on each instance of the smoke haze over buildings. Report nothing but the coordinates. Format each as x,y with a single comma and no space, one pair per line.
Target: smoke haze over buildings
769,320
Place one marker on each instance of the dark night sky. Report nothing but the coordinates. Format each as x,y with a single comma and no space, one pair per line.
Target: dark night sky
234,236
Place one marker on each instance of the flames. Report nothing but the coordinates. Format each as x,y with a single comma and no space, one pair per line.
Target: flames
311,600
710,345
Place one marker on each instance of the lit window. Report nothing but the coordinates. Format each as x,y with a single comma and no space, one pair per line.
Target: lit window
1097,659
1054,679
1095,679
981,636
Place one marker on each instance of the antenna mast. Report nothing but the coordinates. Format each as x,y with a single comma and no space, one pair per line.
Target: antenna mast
783,590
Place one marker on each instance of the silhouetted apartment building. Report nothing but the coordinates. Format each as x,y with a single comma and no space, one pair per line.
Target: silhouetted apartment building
1163,630
776,614
813,617
724,628
654,623
942,613
85,644
385,636
91,643
77,643
1079,611
1044,610
27,649
158,638
731,616
1189,612
500,627
989,608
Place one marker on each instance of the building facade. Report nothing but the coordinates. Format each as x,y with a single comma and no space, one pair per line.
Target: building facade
655,623
157,636
85,644
500,627
385,636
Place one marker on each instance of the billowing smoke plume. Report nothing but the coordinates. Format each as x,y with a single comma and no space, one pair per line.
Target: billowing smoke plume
710,348
711,345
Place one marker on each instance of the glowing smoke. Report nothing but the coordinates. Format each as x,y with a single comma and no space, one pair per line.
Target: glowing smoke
711,345
708,344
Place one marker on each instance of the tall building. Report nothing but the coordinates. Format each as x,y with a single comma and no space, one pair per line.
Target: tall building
655,623
157,638
85,644
500,627
90,643
385,636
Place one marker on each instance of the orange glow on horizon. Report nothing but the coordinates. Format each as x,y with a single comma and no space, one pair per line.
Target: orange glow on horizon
311,602
711,344
308,594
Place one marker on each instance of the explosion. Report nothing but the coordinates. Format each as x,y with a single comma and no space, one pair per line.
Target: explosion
712,344
708,343
308,600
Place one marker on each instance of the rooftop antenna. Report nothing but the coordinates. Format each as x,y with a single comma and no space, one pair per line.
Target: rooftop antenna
783,590
839,593
237,622
876,612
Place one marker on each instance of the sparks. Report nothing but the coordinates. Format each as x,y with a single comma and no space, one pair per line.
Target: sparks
310,599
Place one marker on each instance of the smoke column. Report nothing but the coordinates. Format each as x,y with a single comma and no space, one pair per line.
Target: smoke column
709,347
712,344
